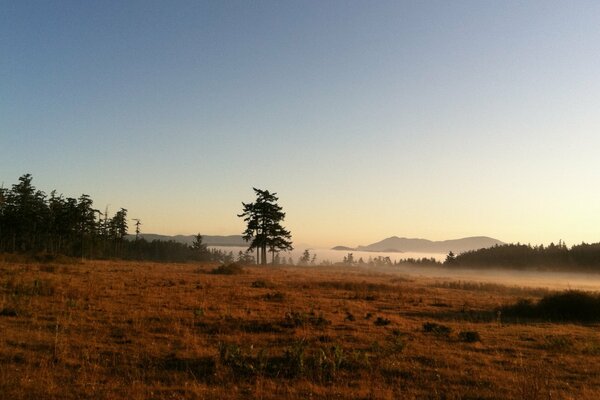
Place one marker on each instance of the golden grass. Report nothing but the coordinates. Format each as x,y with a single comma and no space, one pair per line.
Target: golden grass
109,330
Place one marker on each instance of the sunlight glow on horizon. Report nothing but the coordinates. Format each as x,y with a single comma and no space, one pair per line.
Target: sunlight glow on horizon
430,120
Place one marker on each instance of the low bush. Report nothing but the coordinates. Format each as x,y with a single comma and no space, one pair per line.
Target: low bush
228,269
380,321
274,296
262,284
570,305
469,336
295,319
9,312
438,329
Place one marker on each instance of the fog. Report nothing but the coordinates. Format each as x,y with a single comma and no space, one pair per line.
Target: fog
335,256
551,280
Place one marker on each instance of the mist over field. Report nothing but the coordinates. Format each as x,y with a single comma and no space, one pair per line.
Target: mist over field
535,278
336,256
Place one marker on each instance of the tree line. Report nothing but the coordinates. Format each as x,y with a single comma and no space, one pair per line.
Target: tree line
33,222
581,257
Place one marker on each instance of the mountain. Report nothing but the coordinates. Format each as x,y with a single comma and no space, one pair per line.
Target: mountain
342,248
231,240
397,244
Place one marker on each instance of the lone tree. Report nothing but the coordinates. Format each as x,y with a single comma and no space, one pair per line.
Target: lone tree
263,226
199,248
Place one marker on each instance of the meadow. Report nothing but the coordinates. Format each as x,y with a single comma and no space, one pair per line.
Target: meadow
116,329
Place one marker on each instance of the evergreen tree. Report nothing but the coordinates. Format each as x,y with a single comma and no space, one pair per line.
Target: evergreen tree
263,226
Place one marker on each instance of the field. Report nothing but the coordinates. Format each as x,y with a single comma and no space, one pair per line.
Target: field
109,330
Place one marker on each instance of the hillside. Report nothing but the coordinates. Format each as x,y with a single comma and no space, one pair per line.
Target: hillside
399,244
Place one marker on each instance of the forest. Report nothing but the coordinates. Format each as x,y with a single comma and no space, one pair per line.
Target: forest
558,257
33,222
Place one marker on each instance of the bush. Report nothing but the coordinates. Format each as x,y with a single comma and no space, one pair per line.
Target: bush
261,284
275,296
382,321
570,305
295,319
228,269
438,329
469,336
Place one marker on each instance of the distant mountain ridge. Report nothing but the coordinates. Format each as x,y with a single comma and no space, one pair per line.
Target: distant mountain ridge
231,240
402,244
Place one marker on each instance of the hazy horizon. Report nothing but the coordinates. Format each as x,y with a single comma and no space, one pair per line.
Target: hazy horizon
429,119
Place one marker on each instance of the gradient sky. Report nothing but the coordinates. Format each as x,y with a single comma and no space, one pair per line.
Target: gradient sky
434,119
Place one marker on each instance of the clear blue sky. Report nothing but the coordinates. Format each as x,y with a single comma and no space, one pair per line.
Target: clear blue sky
435,119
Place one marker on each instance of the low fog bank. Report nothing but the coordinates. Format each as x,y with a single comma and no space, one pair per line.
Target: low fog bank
547,279
335,256
532,278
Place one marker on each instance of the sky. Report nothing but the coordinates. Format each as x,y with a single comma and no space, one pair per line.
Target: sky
431,119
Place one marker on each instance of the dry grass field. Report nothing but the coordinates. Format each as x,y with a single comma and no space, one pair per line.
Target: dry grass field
111,330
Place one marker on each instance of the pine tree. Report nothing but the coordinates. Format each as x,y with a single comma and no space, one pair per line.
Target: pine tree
263,226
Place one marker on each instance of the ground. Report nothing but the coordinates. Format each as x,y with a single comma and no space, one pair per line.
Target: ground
109,330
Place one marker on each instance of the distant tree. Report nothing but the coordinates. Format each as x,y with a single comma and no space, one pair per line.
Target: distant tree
118,225
263,226
450,258
245,257
198,244
118,229
138,230
305,258
349,259
228,257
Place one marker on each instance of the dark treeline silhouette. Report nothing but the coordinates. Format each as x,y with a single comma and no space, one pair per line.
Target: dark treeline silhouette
35,223
170,251
380,261
558,257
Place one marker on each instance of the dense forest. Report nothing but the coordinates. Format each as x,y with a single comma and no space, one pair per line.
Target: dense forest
582,257
36,223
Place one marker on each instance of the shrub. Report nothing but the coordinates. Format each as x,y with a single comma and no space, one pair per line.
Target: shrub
262,284
570,305
438,329
9,312
294,319
228,269
275,296
382,321
469,336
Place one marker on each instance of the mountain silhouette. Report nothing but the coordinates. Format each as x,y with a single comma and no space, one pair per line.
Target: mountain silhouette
402,244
